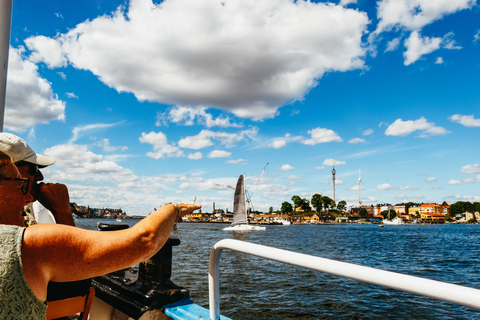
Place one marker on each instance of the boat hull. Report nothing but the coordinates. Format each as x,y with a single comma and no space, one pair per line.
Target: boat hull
244,228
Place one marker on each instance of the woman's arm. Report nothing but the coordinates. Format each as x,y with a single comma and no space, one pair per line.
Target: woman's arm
64,253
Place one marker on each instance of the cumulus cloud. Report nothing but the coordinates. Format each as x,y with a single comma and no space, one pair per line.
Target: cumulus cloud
392,45
418,46
219,154
205,137
404,128
321,135
246,57
189,116
476,36
471,168
454,182
278,144
367,132
106,146
287,167
384,187
195,156
347,2
430,179
332,162
467,121
238,161
29,98
415,14
161,148
356,141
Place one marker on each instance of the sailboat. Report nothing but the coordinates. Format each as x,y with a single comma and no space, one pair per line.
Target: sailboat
240,221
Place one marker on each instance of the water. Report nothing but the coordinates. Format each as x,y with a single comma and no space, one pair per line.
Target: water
255,288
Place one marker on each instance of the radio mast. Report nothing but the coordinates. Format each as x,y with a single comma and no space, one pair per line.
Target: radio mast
360,187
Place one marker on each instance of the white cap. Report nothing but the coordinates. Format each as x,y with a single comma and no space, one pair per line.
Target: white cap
19,150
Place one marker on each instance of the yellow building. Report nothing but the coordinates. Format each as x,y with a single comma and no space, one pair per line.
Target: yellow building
414,210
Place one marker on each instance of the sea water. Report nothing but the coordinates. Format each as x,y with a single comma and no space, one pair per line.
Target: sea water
255,288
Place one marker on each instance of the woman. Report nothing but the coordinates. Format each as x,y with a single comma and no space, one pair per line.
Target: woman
31,257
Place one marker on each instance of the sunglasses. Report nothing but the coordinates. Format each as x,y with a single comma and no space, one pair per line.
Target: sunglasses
24,187
32,167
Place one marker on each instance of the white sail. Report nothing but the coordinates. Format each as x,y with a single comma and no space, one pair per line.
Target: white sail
240,221
239,203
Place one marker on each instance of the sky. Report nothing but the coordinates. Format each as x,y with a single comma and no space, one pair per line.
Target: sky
144,103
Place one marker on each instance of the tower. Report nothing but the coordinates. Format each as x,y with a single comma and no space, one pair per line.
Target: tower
360,187
333,180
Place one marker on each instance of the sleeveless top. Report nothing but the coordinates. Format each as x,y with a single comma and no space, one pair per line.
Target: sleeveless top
17,301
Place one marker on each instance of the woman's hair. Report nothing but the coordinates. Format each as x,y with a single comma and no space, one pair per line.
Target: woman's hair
4,160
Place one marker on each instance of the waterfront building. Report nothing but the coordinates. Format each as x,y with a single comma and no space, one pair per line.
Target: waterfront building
432,217
400,208
434,208
471,216
414,211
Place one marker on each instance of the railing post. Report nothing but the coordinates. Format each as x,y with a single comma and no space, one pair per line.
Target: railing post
213,283
5,27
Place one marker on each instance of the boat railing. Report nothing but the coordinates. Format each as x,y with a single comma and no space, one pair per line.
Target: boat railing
434,289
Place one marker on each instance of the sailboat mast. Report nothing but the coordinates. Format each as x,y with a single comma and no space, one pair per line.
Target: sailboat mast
5,26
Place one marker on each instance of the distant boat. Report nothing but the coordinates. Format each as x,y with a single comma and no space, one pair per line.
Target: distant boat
119,220
240,221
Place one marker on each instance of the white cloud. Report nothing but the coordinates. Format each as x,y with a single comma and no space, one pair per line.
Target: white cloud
246,57
471,168
238,161
430,179
187,115
105,145
332,162
415,14
467,121
277,144
80,131
454,182
347,2
287,167
29,97
367,132
321,135
184,185
204,138
219,154
356,141
404,128
384,187
418,46
392,45
195,156
160,145
476,36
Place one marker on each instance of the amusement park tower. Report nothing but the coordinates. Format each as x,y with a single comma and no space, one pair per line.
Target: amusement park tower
333,179
360,187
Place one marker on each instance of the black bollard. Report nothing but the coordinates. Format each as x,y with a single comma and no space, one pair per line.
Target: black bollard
135,291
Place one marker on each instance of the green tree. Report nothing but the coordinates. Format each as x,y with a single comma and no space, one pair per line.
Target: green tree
270,210
305,205
328,202
297,201
286,207
317,202
363,212
342,205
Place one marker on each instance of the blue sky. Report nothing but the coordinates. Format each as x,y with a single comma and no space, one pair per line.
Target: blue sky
144,103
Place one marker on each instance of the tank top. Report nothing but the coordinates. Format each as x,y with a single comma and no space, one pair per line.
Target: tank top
17,301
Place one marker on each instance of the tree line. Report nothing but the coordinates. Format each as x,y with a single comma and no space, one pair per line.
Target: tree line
318,202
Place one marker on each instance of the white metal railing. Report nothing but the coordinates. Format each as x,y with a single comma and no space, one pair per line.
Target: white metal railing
435,289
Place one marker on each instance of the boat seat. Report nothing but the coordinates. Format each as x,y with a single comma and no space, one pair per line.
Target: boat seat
69,299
